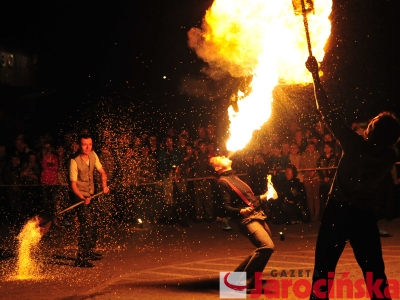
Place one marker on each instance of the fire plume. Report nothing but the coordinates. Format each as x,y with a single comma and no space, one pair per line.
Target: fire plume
28,239
263,39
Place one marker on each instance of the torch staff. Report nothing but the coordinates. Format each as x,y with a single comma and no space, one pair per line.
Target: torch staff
77,204
45,224
304,10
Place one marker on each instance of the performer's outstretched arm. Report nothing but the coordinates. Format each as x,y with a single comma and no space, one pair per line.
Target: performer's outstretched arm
320,95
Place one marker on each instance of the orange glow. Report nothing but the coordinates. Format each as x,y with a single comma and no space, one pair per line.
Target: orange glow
264,39
27,267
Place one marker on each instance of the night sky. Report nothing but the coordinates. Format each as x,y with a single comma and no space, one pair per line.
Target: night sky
117,52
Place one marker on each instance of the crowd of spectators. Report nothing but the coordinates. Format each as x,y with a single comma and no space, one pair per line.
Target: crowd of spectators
168,178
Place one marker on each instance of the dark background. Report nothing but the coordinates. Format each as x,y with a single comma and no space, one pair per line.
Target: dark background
98,62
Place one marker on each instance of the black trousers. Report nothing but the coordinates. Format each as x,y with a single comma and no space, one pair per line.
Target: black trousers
342,222
88,229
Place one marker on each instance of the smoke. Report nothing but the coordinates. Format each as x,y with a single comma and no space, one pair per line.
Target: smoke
216,84
236,64
224,73
222,43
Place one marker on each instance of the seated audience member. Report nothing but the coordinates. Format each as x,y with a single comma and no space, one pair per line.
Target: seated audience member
203,193
49,176
294,159
11,177
30,177
293,196
30,170
151,194
279,161
311,180
327,160
300,140
258,172
188,163
180,207
168,158
21,148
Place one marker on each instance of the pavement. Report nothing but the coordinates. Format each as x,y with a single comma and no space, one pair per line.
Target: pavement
171,262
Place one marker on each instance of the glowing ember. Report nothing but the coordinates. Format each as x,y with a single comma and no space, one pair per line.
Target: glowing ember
263,39
28,239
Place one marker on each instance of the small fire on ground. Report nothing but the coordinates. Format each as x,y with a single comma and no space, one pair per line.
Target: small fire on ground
27,267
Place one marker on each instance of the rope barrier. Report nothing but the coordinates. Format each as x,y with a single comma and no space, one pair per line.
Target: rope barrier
188,179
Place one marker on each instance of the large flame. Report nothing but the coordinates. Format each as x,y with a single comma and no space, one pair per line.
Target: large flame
263,39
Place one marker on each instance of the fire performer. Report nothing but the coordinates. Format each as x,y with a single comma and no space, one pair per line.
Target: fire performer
349,212
81,171
240,203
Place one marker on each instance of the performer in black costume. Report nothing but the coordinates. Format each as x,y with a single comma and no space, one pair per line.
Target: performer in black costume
349,212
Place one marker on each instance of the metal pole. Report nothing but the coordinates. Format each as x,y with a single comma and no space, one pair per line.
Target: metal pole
303,8
77,204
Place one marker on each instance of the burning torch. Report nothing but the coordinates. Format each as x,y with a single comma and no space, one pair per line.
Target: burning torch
303,7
